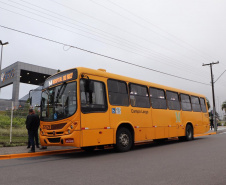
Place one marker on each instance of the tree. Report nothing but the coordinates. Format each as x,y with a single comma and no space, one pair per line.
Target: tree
223,106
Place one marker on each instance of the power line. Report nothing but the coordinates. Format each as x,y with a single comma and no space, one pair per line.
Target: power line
144,26
147,21
71,31
220,76
114,26
102,55
156,55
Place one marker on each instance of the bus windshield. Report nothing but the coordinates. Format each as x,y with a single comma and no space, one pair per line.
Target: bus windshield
59,102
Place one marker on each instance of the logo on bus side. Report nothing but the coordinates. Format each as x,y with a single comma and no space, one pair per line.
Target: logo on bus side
139,111
177,117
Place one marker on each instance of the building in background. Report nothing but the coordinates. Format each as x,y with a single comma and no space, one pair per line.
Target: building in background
21,72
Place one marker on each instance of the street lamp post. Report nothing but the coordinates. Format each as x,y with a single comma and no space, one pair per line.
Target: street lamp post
1,53
2,44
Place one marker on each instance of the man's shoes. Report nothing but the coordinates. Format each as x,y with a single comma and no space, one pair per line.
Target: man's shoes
28,147
31,151
43,148
37,146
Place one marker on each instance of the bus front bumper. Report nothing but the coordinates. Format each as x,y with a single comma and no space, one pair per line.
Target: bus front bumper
72,139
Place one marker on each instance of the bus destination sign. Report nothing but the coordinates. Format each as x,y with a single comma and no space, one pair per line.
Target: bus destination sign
60,78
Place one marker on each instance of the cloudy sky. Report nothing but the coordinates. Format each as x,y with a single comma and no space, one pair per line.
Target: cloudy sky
172,36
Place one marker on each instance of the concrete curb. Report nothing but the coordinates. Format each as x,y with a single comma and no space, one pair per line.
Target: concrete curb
211,133
35,154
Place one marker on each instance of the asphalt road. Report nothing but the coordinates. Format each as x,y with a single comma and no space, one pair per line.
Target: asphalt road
202,162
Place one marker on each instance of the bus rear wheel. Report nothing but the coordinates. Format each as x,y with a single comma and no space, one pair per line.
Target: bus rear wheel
123,140
189,133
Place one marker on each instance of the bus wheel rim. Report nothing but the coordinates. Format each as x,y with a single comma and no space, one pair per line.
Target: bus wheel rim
189,133
124,140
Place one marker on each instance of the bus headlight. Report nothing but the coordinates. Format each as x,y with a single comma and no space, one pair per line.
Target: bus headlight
43,132
69,131
71,126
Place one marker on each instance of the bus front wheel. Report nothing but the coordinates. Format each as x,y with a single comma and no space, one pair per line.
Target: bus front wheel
123,140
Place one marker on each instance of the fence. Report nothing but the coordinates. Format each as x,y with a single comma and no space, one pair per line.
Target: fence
12,123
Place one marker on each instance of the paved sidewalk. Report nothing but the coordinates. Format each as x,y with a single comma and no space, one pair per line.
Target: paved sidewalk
23,149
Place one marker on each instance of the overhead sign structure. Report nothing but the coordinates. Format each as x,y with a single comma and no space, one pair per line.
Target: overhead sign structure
21,72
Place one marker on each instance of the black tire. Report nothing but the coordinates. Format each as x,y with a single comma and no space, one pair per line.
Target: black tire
189,133
124,140
88,148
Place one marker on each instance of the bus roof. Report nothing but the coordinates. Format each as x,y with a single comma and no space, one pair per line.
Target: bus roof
103,73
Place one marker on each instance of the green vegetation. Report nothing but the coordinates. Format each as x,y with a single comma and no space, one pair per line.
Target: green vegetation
19,131
5,121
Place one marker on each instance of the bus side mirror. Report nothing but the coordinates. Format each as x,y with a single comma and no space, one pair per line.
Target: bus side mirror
89,86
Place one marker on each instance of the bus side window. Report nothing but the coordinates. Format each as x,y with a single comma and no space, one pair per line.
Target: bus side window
203,105
172,100
158,98
195,104
93,96
139,96
185,102
118,93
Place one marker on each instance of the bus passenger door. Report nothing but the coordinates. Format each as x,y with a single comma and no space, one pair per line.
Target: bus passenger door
94,112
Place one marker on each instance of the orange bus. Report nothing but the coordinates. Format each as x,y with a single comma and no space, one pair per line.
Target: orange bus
89,108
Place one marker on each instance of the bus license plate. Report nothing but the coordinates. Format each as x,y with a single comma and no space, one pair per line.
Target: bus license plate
69,140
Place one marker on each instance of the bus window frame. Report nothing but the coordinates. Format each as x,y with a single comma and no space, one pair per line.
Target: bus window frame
199,103
127,89
172,100
189,99
147,88
105,97
204,104
158,98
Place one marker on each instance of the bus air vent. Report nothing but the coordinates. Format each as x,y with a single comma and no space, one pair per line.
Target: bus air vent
54,140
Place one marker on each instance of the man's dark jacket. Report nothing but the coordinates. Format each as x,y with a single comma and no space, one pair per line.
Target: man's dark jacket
32,122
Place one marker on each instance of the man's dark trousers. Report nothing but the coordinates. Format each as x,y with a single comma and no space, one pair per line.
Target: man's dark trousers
31,134
36,139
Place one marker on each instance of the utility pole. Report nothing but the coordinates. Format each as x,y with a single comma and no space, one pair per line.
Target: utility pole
212,83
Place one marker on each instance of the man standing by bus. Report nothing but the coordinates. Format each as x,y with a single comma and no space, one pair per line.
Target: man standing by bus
32,124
